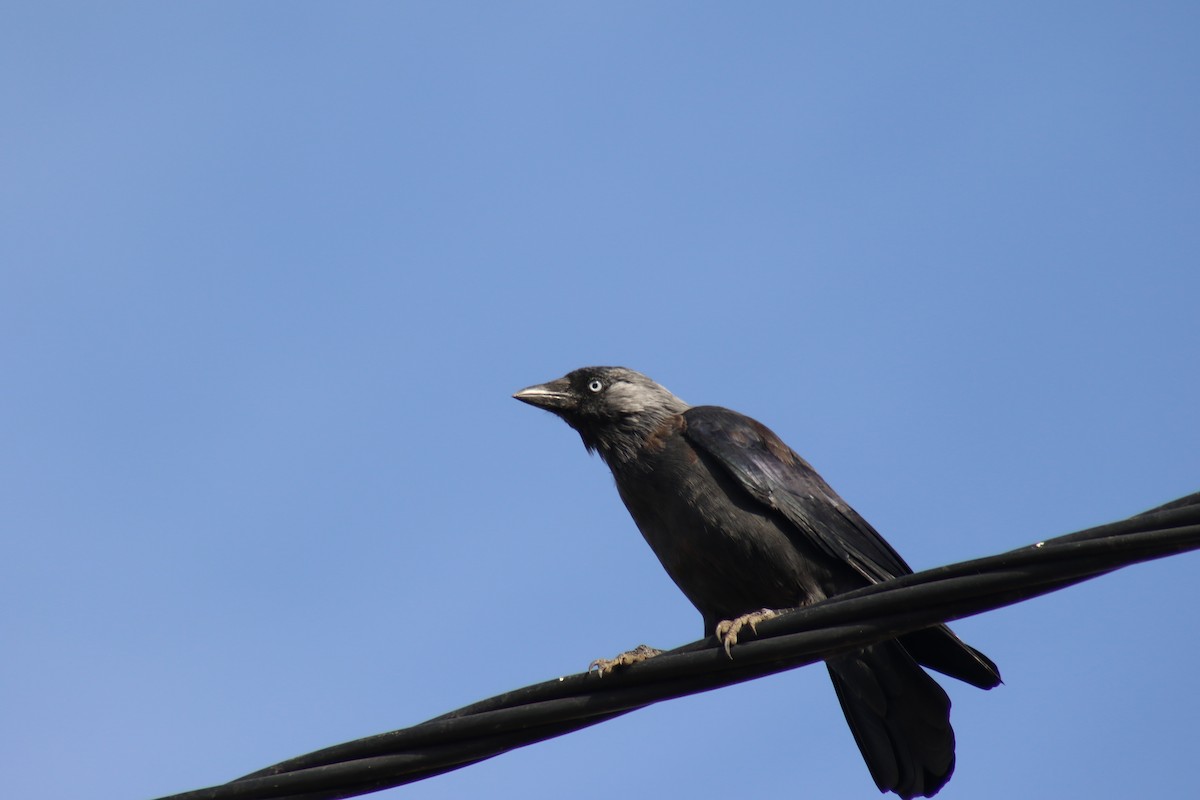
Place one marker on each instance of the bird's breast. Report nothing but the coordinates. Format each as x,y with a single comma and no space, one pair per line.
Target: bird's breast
727,552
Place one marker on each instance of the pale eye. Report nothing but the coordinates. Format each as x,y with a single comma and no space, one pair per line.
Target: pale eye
595,385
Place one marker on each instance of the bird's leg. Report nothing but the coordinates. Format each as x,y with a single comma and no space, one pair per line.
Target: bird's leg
603,666
727,630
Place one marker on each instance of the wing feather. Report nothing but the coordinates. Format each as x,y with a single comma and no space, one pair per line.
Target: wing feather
780,479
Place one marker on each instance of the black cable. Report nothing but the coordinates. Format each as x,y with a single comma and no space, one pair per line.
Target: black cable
803,636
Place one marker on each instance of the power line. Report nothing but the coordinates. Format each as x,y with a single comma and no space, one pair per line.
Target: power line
803,636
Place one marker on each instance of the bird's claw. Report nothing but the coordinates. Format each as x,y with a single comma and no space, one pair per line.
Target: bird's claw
603,666
727,630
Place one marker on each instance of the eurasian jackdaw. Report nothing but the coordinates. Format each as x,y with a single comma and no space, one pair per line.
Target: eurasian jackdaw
743,525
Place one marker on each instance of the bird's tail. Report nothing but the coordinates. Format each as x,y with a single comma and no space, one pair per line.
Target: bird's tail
899,716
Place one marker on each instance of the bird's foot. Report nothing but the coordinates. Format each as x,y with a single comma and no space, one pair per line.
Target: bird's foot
603,666
727,630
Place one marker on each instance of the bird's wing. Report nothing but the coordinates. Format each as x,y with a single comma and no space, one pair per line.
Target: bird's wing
775,476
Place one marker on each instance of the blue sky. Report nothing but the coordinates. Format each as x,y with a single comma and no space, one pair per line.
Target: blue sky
269,273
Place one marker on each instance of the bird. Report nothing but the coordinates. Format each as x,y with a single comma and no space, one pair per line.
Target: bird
745,527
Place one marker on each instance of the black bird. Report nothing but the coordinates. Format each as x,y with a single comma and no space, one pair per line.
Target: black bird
743,525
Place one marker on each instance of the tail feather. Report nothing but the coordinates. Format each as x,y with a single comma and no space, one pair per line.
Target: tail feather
900,718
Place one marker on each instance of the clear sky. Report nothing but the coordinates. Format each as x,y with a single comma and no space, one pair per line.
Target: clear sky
269,273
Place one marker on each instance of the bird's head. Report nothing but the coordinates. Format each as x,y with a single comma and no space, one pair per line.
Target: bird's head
614,409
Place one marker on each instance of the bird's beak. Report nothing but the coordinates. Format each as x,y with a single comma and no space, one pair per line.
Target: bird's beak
554,396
